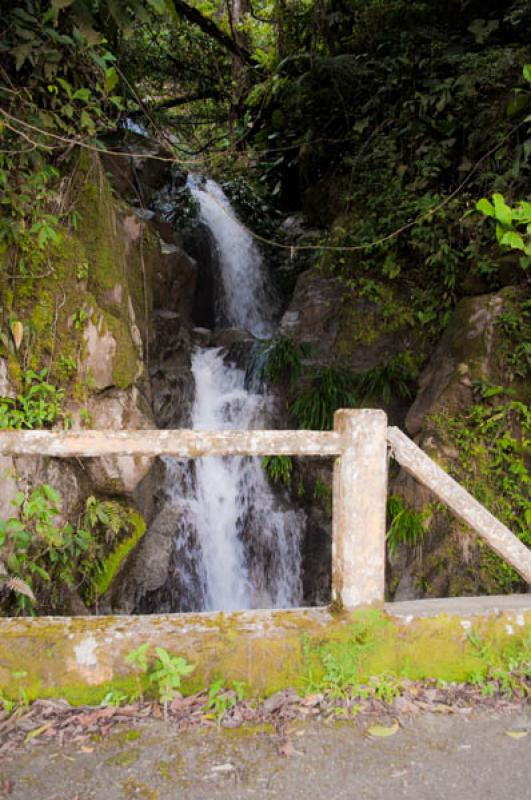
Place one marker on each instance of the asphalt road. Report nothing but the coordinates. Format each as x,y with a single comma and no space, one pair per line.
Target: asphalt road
430,757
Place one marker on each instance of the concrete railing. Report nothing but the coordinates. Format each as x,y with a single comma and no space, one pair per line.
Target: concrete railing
360,438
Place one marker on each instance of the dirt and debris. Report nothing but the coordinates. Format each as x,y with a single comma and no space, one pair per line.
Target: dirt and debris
59,722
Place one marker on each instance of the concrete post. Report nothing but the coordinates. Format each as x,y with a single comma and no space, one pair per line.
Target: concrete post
359,506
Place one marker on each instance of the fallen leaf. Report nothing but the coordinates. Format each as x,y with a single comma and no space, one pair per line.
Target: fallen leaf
17,330
37,731
381,731
287,749
516,734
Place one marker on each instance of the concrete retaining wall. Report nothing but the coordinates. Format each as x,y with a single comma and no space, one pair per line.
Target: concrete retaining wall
81,658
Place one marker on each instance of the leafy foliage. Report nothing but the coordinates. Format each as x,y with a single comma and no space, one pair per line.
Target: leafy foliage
281,358
492,439
315,405
38,406
41,555
406,526
278,469
165,672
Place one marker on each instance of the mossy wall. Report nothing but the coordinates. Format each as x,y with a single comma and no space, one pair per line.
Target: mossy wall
82,658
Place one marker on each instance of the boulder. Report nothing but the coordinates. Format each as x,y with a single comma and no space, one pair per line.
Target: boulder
148,567
99,355
463,355
231,336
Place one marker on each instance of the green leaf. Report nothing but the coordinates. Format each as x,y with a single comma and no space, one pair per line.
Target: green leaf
382,731
61,3
111,79
485,206
502,211
527,72
82,94
514,240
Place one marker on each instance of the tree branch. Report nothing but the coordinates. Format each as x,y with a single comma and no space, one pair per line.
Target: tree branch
180,101
211,29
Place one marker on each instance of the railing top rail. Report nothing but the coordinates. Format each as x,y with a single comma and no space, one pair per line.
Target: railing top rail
177,443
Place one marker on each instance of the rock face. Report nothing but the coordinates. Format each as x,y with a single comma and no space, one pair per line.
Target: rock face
119,410
463,355
147,569
338,323
449,560
99,321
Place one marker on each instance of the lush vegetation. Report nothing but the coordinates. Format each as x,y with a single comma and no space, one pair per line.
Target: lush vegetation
401,130
43,558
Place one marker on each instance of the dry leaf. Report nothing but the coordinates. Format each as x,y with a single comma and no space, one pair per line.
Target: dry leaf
516,734
37,731
20,586
381,731
17,331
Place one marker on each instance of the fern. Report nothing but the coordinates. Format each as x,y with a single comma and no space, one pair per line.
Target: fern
278,469
280,358
406,525
330,389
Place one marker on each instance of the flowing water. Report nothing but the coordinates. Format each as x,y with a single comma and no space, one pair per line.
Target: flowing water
238,544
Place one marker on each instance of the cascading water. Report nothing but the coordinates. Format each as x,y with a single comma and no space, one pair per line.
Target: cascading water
237,544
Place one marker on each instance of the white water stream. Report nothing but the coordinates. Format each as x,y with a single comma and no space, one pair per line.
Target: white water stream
243,542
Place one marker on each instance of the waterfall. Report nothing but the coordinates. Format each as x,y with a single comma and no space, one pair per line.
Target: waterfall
237,542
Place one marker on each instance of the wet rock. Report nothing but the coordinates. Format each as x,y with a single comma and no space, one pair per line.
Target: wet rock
229,336
175,283
336,322
139,178
147,570
451,557
202,337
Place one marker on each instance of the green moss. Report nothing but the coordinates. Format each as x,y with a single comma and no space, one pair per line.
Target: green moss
109,569
97,231
125,359
124,759
296,649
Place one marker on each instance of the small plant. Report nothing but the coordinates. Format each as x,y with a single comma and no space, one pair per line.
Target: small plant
278,469
512,224
165,673
36,550
66,366
220,699
508,674
394,378
40,554
79,319
406,526
82,270
38,406
115,698
322,493
331,388
281,358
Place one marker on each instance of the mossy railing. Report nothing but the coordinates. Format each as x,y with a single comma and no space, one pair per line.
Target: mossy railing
360,439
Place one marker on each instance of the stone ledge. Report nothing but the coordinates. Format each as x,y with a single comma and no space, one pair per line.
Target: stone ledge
81,658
